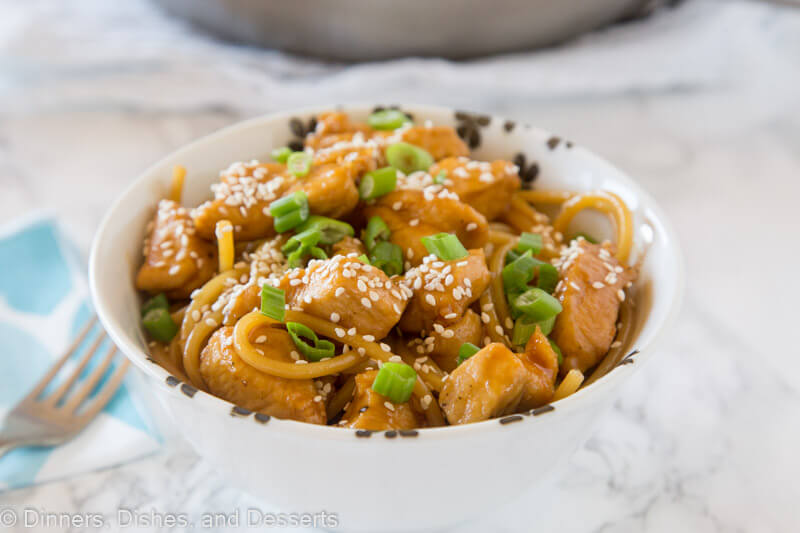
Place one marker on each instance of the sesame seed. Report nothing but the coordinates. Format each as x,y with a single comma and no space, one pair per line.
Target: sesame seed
368,338
339,332
472,226
335,317
351,331
389,406
450,316
616,344
621,295
499,329
485,318
385,347
261,338
598,285
366,303
211,322
339,291
318,398
430,299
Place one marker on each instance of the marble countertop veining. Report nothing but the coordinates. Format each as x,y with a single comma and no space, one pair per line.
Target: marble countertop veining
704,438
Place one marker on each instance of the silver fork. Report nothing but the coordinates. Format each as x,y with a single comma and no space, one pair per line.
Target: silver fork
59,416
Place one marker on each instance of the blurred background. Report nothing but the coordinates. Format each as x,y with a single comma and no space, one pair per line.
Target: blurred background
698,100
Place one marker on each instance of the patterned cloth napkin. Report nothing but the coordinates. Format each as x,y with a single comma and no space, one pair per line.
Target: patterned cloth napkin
43,305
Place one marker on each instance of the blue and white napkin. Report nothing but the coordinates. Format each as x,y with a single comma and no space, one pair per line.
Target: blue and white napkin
43,305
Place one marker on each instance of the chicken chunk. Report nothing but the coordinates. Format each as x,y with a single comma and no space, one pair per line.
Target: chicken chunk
229,377
330,189
448,340
485,186
347,246
412,214
591,289
439,141
176,261
443,290
357,155
490,383
348,292
541,362
334,127
242,196
373,411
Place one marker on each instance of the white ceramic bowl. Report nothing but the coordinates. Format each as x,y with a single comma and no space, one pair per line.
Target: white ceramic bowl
392,481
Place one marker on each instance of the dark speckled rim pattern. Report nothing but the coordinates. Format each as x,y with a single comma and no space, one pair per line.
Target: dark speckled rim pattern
469,127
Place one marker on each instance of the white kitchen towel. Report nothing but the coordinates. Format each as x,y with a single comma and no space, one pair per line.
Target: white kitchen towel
43,305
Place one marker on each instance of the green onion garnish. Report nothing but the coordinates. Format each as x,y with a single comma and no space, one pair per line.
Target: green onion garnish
376,183
387,119
332,230
295,258
273,302
440,177
318,253
518,273
547,277
156,302
445,246
466,351
587,238
289,211
529,241
395,381
524,327
408,158
159,324
299,163
364,259
388,257
281,154
556,349
536,304
302,240
321,348
376,230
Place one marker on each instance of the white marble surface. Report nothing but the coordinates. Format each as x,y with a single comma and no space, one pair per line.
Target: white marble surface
704,438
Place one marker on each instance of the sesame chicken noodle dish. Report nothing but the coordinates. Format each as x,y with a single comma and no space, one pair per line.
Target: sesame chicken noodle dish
374,276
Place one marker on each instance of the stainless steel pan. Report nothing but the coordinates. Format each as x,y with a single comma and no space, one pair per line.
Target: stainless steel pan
377,29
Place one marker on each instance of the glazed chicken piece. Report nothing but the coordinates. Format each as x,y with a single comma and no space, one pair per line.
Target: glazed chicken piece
495,382
229,377
485,186
357,155
348,245
439,141
373,411
334,127
242,196
176,261
443,290
331,190
591,290
448,340
347,292
412,214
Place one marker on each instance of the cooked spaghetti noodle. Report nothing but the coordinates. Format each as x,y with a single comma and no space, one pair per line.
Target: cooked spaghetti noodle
310,312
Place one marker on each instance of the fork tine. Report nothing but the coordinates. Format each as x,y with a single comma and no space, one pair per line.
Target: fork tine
86,387
40,386
63,388
106,393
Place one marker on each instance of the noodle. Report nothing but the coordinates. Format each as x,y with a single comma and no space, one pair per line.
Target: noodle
224,233
341,398
498,312
571,383
176,188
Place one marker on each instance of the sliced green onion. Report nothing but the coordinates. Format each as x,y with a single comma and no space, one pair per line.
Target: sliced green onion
518,273
281,154
547,278
156,302
318,253
525,327
159,324
529,241
466,351
273,302
445,246
586,237
320,349
364,259
299,163
376,230
440,177
376,183
303,239
332,230
408,158
512,255
388,257
387,119
556,349
289,211
395,381
536,304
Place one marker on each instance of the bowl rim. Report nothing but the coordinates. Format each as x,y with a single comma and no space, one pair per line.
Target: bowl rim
172,385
